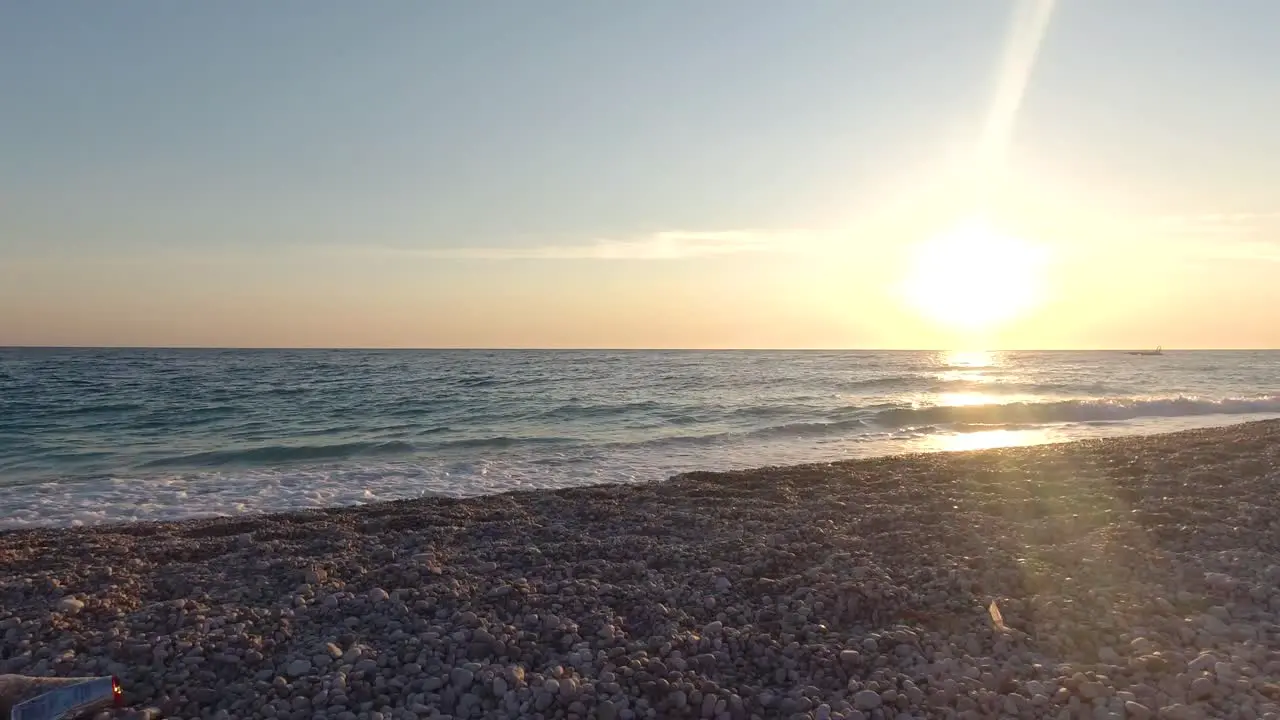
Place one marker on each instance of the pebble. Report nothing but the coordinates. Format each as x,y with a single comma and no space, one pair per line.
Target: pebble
1202,663
1136,578
1136,711
70,605
1178,711
461,678
866,700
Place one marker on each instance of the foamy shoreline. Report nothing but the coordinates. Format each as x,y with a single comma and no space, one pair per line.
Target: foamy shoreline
1137,577
73,501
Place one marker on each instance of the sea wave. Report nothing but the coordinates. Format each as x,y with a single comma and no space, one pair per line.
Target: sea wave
997,387
283,454
886,417
993,385
499,442
186,432
770,432
585,410
103,409
888,382
1073,411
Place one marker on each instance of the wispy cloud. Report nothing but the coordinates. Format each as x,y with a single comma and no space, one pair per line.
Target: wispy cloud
1237,223
667,245
1256,251
1223,236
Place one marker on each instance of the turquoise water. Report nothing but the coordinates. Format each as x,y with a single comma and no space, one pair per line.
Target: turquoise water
104,435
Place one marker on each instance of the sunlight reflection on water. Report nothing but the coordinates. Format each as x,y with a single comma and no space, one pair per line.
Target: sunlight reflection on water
985,439
971,358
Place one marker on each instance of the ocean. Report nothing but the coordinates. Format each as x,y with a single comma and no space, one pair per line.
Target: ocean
91,436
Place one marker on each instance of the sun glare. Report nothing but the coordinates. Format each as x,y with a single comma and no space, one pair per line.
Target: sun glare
975,279
976,359
985,440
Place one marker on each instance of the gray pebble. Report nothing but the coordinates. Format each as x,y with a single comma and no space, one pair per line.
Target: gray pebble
866,700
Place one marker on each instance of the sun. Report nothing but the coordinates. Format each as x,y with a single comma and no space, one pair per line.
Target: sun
974,278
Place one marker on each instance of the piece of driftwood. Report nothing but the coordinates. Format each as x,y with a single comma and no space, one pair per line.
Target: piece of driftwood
997,619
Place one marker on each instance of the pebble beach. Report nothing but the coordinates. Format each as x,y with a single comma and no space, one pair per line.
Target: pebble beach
1132,577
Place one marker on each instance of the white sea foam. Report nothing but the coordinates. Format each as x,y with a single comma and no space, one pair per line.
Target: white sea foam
106,436
176,497
205,494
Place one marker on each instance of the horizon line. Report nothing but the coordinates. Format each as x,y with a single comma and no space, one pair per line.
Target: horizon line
459,348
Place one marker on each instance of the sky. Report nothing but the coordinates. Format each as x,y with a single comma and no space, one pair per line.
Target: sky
725,173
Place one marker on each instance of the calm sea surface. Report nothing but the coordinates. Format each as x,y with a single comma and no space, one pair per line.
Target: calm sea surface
108,435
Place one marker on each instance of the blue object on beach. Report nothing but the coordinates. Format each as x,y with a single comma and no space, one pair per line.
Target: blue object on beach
69,701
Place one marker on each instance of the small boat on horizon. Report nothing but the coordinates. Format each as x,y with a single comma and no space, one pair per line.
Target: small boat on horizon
1158,351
